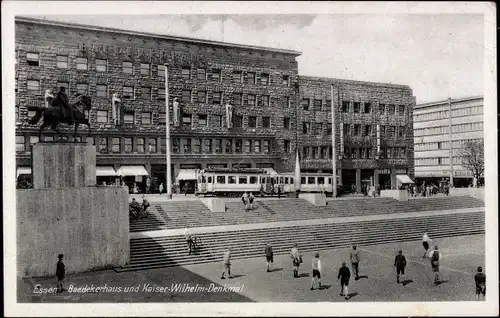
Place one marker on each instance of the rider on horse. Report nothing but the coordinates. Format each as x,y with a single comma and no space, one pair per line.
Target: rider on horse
62,101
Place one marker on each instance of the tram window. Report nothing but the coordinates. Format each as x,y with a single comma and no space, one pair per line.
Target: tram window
303,180
311,180
286,180
330,180
203,179
253,180
321,180
242,180
268,180
291,180
209,179
221,179
232,179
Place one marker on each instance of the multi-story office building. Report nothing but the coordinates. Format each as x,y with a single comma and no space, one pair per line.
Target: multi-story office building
270,113
432,137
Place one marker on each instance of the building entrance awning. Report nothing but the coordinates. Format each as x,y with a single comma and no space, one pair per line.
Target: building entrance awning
23,170
403,178
105,171
132,171
186,174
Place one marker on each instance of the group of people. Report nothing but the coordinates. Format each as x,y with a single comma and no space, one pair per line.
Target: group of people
137,210
247,198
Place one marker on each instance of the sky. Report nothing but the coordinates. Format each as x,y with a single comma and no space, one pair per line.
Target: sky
438,56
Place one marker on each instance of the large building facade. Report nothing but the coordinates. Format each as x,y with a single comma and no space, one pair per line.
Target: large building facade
272,110
432,137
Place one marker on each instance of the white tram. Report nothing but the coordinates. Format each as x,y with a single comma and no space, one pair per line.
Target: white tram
234,182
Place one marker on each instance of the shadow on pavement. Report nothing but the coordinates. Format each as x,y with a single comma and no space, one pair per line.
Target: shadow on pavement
304,275
362,276
276,269
325,287
407,281
351,295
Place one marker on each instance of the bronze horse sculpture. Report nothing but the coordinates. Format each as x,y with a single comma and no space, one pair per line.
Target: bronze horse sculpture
56,114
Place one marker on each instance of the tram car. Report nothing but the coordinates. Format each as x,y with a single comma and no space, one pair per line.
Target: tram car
234,182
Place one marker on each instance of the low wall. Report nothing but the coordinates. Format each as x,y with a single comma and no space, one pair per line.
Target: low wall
317,199
214,204
89,225
477,193
400,195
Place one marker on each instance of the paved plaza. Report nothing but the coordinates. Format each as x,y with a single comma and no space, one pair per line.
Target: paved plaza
201,283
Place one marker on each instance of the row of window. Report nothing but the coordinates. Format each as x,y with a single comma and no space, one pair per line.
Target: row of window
440,130
188,73
366,153
367,130
444,114
436,161
353,107
441,145
219,146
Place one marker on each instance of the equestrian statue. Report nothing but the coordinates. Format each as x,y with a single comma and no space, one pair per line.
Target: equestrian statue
61,111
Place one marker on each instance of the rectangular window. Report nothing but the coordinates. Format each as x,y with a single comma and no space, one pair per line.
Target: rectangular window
266,122
368,108
129,117
345,106
314,154
176,145
186,119
266,147
217,97
252,122
17,114
146,93
82,88
346,128
317,128
251,99
103,144
362,155
237,99
381,109
161,70
202,120
202,97
216,121
20,144
288,102
265,79
237,76
101,90
202,74
286,122
305,103
146,118
81,63
229,145
329,129
129,69
368,130
231,179
162,118
357,106
238,121
250,78
392,131
286,80
305,152
161,93
354,153
401,131
256,146
391,109
152,145
65,85
288,146
318,103
146,69
247,146
221,179
264,100
33,59
218,145
101,65
186,96
306,128
357,130
33,86
369,153
102,116
187,145
140,145
62,61
128,145
401,110
186,73
238,146
115,146
216,75
324,152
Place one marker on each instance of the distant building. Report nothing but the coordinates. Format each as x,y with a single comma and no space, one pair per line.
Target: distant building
432,139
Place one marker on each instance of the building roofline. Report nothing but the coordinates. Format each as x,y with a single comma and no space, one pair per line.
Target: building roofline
154,35
346,81
445,102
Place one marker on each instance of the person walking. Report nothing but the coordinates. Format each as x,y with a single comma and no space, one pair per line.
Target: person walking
269,257
435,257
60,273
244,199
160,188
296,260
145,206
354,256
400,264
316,271
425,243
480,279
189,241
250,200
279,191
344,275
226,262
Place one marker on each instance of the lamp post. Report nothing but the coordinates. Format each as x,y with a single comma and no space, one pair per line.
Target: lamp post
167,141
451,143
334,152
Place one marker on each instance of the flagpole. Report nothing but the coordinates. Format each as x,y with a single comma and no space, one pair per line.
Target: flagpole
334,152
167,129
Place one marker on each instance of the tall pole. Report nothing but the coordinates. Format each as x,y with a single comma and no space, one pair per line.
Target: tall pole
334,152
167,129
451,142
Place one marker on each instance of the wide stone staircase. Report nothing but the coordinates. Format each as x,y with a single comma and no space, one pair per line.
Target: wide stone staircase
193,213
147,252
